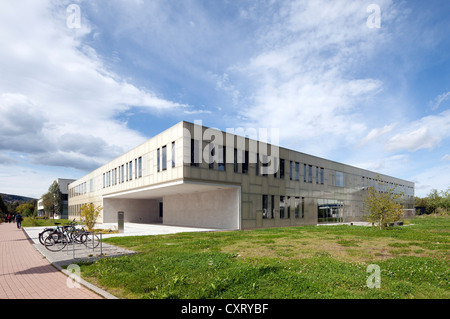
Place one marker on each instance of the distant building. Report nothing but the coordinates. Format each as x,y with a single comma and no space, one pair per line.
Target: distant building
63,184
191,175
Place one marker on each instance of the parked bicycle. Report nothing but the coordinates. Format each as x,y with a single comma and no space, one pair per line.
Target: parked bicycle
56,239
47,231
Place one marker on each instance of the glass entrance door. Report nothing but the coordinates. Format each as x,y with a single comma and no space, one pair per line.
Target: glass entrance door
330,211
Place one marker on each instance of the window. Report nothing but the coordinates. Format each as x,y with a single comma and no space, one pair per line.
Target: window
321,175
275,167
340,179
290,170
135,169
297,171
222,157
115,176
245,164
212,153
304,173
288,206
236,169
309,173
257,164
282,204
103,180
281,168
140,166
195,145
297,207
265,164
173,154
303,207
123,173
272,205
158,160
317,175
265,205
164,157
131,170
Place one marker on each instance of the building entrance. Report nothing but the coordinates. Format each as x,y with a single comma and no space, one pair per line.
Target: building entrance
330,211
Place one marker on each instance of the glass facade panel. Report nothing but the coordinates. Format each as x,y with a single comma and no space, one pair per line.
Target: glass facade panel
340,179
164,158
282,205
173,154
265,206
330,211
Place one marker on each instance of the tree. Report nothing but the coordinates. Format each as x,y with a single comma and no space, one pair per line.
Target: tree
89,214
26,209
3,208
434,200
445,200
52,201
382,207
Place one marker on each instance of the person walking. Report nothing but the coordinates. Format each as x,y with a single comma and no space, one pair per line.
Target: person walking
19,220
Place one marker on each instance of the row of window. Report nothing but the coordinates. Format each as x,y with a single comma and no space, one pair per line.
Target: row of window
383,186
161,157
123,173
286,203
78,190
126,172
243,159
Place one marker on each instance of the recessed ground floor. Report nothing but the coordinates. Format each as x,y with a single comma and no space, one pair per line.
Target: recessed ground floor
182,203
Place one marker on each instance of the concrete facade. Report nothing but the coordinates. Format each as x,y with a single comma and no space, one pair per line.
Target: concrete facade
191,175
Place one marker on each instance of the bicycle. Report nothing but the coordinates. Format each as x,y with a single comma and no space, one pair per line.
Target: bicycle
68,234
57,240
47,231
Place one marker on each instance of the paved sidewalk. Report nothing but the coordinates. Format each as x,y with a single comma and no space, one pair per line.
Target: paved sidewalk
26,274
74,253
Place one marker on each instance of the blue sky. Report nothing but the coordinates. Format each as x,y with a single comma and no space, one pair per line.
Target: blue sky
71,99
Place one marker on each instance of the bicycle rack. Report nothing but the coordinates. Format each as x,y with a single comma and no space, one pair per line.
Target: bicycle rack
73,243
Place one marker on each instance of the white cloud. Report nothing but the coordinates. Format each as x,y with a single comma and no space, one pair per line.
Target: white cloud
446,157
439,99
303,80
376,133
425,133
57,94
431,178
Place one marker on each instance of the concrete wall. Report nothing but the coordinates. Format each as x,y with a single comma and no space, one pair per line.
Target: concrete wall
136,210
214,209
94,190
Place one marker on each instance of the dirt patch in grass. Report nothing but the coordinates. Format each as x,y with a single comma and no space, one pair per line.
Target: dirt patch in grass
348,250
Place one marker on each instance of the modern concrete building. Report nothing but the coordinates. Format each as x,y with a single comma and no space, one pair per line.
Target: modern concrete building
191,175
63,184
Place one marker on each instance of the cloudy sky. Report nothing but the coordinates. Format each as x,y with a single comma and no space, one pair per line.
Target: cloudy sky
339,79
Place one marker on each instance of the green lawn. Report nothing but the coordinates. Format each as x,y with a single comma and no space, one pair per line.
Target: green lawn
294,262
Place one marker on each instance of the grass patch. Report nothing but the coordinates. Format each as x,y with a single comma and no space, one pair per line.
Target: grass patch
38,222
293,262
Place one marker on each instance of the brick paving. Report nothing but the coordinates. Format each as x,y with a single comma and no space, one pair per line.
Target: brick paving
26,274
